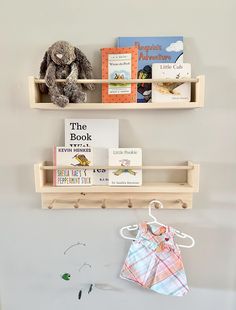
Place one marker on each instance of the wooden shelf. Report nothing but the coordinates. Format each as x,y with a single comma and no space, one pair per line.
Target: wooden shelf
118,106
197,94
145,188
175,195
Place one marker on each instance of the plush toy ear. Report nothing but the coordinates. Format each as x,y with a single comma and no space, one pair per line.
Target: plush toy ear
84,67
44,64
43,68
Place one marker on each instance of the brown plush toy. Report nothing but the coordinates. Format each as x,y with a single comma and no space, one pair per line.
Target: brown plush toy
64,61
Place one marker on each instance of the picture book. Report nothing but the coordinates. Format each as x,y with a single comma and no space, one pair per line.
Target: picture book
152,50
125,158
119,64
74,157
100,134
176,91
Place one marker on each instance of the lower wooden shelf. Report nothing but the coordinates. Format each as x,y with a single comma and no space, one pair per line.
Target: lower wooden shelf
174,195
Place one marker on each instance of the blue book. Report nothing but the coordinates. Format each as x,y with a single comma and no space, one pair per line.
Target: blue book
152,50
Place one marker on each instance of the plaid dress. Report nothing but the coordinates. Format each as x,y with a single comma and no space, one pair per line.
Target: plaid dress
154,261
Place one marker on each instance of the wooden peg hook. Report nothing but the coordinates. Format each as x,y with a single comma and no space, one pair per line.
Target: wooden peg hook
103,206
50,206
183,204
63,204
156,205
130,205
76,205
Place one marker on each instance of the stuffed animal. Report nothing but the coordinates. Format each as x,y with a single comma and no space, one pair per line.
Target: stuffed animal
64,61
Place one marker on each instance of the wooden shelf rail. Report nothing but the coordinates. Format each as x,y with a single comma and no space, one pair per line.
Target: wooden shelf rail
117,167
130,81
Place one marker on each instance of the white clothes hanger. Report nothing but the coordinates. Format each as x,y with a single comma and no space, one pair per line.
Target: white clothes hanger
177,232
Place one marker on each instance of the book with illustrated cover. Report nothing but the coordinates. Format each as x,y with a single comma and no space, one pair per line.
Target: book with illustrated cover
119,64
125,158
153,50
100,134
176,91
74,157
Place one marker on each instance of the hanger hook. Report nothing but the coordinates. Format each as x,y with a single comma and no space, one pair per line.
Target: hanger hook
183,235
154,201
150,207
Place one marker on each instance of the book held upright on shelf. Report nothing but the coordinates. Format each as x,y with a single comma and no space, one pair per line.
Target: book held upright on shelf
119,64
73,157
100,134
171,91
125,158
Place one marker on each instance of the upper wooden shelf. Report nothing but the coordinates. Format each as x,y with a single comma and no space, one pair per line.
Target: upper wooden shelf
197,96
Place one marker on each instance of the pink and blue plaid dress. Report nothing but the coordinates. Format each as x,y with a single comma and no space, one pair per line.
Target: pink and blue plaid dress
154,261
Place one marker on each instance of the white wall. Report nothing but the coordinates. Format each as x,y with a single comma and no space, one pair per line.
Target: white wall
32,241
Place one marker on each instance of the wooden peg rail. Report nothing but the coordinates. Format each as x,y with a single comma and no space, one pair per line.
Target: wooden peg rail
174,195
75,203
40,101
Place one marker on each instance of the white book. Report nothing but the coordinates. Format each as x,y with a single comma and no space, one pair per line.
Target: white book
74,157
169,92
100,134
125,157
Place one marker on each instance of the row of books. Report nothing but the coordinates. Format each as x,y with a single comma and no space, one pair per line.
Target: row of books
145,58
95,142
73,159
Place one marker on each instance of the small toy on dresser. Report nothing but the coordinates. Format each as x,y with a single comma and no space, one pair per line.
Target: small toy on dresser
64,61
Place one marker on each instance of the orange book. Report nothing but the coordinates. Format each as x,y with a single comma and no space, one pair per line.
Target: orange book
119,63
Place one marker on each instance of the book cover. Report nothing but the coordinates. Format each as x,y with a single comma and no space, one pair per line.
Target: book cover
152,50
119,64
167,92
125,157
74,157
100,134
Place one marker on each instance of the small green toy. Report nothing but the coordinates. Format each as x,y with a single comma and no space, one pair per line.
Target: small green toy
66,276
